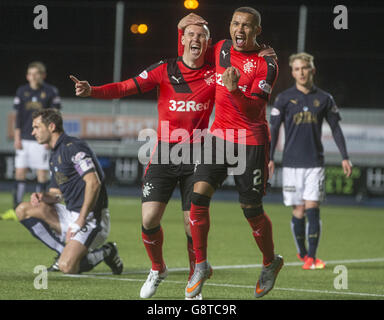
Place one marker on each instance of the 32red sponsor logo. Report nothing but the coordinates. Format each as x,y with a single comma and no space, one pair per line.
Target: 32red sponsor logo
188,106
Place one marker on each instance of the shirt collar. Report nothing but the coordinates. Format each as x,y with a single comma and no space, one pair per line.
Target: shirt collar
60,140
313,90
39,88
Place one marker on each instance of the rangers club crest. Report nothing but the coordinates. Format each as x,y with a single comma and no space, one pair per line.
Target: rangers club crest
249,65
147,189
209,77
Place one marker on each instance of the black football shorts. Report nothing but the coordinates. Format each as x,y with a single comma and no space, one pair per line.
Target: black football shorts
250,182
161,179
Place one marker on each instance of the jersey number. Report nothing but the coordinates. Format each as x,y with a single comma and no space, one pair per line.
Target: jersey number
256,179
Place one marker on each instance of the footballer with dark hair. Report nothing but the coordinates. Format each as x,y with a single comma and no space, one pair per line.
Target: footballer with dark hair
77,229
244,82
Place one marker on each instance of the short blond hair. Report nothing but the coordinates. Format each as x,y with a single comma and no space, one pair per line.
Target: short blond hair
302,56
38,65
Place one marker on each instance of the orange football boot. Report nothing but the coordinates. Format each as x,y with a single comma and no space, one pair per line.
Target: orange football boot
319,264
309,264
312,264
300,258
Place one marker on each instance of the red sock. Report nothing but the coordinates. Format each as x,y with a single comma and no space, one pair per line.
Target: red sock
153,243
262,232
191,257
199,223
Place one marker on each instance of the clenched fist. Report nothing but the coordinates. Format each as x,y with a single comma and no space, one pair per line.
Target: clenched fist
231,77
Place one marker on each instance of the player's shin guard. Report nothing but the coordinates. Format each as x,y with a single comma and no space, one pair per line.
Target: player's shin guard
199,224
262,232
298,231
313,230
41,230
191,256
18,192
153,242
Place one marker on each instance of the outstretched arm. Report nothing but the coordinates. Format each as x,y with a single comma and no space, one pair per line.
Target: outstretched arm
108,91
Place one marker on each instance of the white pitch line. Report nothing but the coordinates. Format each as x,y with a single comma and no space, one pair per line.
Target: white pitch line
363,294
104,276
295,264
248,266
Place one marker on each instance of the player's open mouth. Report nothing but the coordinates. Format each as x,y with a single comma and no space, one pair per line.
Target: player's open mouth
240,41
195,49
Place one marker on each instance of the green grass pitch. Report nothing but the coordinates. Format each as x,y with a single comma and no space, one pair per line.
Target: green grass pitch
351,237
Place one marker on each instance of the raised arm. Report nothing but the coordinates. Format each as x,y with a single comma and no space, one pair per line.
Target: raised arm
192,18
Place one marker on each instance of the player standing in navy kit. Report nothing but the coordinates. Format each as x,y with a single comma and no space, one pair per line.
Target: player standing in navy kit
302,108
35,95
244,82
77,229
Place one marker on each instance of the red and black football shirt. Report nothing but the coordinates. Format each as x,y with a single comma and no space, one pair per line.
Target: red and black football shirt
257,77
186,96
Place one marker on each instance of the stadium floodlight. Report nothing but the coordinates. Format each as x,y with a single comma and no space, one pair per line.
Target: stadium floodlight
142,28
191,4
134,28
139,28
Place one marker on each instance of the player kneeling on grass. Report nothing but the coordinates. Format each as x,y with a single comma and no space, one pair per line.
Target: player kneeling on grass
78,229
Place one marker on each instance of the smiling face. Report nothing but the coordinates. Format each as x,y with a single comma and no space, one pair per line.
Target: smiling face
195,41
303,72
244,29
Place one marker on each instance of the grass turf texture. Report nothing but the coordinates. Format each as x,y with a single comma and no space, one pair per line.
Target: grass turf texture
348,233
